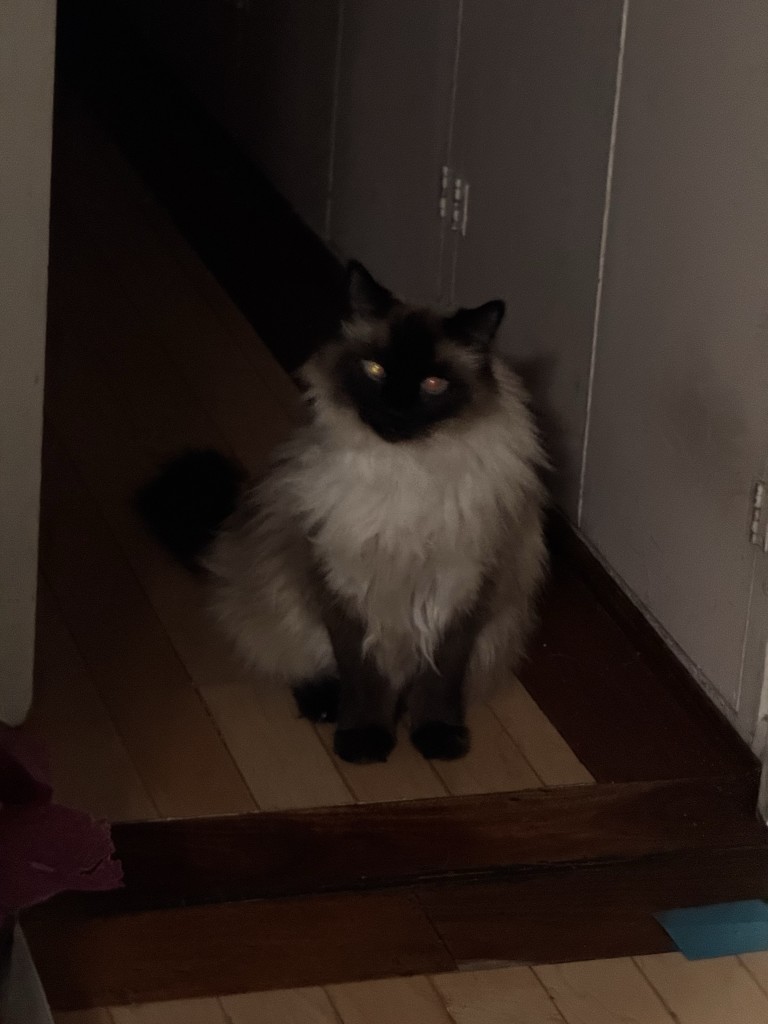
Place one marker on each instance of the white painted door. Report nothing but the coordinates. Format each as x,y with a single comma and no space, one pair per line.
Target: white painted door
679,423
534,105
391,139
26,95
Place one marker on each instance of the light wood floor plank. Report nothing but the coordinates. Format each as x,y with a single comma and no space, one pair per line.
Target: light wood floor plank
92,770
205,358
538,740
279,754
114,463
394,1001
221,377
164,724
273,377
182,1011
180,603
293,1006
603,992
509,996
719,991
757,965
405,776
103,350
99,1016
494,763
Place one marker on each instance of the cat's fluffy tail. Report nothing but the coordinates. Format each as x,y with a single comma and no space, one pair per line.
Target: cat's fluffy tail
186,503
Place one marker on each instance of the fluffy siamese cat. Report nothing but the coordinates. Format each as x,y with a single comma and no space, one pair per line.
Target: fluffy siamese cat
389,561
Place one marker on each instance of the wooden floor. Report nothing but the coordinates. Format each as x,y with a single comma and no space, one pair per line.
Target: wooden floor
663,989
144,709
637,797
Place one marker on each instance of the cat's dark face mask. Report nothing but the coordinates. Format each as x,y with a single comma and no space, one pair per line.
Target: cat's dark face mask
407,370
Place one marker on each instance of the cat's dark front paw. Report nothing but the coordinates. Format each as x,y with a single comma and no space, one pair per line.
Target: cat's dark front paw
318,700
441,742
366,745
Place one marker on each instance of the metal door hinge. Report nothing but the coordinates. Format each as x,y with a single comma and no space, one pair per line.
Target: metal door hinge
460,211
454,200
445,187
758,532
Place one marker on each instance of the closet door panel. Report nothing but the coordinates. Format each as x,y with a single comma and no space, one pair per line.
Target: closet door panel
679,426
392,134
535,95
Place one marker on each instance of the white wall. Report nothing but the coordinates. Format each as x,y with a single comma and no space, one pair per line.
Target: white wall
678,428
534,109
26,92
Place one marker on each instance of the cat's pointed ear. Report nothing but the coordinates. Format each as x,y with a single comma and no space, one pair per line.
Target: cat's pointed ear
366,298
476,327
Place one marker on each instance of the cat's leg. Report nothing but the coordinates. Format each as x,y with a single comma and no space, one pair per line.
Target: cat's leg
437,696
318,699
367,702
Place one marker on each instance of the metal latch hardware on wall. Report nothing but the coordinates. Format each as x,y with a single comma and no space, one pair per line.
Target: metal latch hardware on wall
758,530
454,200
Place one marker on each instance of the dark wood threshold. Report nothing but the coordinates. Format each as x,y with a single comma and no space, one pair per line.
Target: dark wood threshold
547,915
375,846
289,899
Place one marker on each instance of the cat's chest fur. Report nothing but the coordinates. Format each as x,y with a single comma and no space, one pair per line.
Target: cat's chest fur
403,533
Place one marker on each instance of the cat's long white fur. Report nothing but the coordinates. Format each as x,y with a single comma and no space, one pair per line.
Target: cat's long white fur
405,533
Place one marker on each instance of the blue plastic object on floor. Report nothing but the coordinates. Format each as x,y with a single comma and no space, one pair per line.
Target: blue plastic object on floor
725,929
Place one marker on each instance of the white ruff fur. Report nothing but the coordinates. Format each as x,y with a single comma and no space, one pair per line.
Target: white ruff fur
406,534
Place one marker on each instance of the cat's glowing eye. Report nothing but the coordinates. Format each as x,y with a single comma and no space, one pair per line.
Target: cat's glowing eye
434,385
373,369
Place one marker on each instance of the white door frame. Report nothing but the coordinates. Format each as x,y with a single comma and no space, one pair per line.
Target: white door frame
27,43
760,747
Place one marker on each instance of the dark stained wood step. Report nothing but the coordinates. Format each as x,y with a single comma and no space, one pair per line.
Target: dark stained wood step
184,862
232,947
543,916
426,886
588,912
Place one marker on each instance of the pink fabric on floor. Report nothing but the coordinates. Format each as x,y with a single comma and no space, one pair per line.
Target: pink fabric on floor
24,769
45,848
